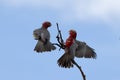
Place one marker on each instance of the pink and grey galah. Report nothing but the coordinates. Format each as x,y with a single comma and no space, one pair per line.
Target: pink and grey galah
43,36
74,48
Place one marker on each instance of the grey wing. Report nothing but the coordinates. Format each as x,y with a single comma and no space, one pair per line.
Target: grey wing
84,50
37,33
41,34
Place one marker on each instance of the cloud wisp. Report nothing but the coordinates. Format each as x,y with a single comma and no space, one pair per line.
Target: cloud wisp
107,11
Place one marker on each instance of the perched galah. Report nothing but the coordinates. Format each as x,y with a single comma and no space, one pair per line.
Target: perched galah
74,48
43,37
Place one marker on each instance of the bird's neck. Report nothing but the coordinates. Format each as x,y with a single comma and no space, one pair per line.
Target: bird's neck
45,27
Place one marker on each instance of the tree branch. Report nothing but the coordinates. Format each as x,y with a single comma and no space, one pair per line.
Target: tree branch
57,44
79,67
59,38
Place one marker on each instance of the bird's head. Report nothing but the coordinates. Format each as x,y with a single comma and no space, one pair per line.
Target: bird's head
46,24
71,38
73,33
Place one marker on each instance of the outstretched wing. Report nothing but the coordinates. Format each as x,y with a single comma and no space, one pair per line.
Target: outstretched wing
84,50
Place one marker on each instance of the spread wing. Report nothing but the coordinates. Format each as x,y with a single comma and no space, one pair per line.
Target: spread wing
84,50
37,33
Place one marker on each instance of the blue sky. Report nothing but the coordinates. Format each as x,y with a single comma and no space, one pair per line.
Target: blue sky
97,22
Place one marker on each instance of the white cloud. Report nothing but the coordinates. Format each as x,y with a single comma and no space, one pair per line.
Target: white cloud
34,3
107,11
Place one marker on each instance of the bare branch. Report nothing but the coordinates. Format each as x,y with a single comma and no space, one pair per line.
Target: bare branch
59,38
57,44
79,67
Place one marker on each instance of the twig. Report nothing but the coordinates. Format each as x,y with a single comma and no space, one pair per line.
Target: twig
79,67
59,35
56,44
59,38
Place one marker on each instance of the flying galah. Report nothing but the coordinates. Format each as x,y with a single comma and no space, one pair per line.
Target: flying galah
74,48
43,36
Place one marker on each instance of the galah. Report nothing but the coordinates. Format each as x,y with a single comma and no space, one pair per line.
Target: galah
74,48
43,36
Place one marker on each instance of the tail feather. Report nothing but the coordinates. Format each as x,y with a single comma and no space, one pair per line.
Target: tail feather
65,61
40,47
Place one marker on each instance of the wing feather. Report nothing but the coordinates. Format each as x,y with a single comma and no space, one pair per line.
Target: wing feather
84,50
